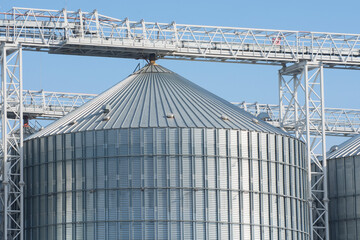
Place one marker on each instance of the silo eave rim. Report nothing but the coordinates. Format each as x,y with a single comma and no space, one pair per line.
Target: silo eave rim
213,128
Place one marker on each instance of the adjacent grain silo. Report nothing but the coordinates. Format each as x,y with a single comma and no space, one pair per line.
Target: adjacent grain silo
344,190
158,157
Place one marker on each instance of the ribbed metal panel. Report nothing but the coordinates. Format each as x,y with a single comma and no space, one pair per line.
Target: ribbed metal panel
344,195
350,147
344,190
207,191
211,172
145,98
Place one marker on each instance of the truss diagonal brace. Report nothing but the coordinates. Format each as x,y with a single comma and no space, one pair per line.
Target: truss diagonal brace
11,166
302,109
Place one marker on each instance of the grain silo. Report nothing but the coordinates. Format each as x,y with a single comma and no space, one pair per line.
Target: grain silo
344,190
158,157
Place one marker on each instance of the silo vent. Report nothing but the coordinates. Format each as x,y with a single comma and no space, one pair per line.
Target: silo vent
72,123
224,117
334,148
170,115
264,116
255,120
107,118
107,108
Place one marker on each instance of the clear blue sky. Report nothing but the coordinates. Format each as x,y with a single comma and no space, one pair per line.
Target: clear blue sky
234,82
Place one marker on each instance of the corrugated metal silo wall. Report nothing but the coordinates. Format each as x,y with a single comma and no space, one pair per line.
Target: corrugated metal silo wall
344,195
166,183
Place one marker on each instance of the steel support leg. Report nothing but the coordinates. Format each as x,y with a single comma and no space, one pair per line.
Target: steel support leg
11,167
302,109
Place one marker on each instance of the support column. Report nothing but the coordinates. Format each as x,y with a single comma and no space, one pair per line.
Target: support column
302,109
11,167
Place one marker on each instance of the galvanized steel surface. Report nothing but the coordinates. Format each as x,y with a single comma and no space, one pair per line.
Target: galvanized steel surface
166,183
350,147
344,195
344,190
145,98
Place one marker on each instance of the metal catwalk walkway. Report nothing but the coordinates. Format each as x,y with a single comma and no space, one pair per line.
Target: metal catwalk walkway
46,105
338,121
94,34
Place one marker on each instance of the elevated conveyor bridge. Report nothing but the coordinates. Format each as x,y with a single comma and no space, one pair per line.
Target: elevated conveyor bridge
48,105
338,121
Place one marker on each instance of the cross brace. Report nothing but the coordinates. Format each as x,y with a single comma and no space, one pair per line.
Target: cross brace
11,165
302,107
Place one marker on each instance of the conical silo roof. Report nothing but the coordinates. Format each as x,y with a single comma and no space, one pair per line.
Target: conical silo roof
349,148
156,97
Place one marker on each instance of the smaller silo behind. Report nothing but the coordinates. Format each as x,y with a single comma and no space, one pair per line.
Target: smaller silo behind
344,190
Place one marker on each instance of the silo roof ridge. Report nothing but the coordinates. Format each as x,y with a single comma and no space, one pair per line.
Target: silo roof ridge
348,148
167,101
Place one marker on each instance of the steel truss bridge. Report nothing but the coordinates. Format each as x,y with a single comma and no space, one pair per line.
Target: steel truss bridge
46,105
300,57
338,121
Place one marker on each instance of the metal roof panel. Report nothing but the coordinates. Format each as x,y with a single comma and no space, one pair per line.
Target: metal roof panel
147,98
349,148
